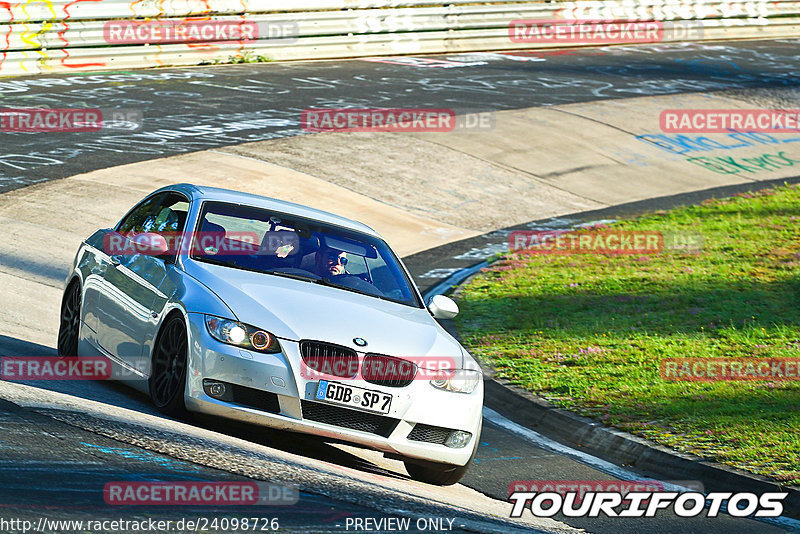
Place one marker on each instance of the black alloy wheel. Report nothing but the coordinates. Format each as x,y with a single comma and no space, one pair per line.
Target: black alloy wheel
69,327
168,372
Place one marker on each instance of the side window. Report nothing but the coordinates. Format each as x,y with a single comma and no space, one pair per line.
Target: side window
137,216
161,214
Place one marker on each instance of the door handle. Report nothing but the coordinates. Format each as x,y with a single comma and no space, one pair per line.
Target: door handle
115,261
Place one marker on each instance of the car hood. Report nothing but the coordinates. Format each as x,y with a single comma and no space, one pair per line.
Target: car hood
295,310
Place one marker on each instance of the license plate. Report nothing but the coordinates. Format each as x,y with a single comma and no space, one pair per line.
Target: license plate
353,397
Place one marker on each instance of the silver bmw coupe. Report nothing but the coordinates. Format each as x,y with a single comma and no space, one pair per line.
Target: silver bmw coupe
276,314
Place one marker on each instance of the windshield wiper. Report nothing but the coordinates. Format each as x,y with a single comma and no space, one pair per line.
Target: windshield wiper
237,265
295,276
217,261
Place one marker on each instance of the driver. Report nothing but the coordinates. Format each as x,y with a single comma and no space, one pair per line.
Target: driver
332,262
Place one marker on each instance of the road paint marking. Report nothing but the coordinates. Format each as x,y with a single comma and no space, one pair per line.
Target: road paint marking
459,276
168,463
440,273
482,253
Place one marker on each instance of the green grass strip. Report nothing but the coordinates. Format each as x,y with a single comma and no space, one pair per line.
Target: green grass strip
588,331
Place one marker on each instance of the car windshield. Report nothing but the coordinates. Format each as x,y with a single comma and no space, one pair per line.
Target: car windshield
278,244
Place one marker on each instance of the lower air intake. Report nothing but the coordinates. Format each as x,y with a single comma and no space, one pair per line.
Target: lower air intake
352,419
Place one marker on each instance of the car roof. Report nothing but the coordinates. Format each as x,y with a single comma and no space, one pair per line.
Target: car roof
197,192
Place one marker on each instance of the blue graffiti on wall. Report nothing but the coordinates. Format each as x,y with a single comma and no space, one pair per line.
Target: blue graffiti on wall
684,144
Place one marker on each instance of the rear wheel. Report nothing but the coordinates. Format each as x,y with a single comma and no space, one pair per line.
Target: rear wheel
69,327
168,372
440,474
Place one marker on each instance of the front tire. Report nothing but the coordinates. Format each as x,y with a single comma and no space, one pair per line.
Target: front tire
70,324
436,473
440,474
168,372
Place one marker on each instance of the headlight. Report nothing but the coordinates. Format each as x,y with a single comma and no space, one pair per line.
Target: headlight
460,381
242,335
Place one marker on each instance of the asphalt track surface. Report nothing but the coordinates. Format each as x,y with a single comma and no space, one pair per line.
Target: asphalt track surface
191,109
195,109
63,478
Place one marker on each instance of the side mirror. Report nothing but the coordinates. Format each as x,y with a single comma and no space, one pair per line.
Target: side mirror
151,244
442,307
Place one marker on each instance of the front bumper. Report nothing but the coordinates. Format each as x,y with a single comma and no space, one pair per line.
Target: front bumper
280,377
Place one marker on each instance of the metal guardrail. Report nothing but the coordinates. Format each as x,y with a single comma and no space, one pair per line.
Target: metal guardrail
79,35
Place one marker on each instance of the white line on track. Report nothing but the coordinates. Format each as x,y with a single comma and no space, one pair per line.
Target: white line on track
621,473
548,444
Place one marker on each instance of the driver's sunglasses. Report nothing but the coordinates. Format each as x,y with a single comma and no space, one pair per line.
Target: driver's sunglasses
338,259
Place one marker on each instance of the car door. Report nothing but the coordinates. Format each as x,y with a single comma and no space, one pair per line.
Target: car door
131,300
